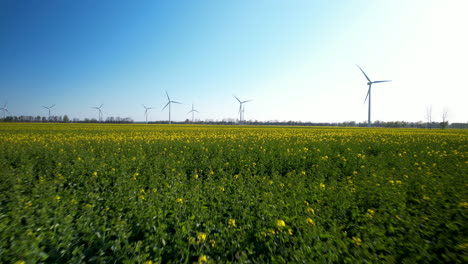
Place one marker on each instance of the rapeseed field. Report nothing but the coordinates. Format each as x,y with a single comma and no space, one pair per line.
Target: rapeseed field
92,193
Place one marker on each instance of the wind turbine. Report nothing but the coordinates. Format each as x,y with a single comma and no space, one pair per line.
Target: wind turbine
48,108
241,108
146,112
5,110
369,95
169,104
193,112
100,112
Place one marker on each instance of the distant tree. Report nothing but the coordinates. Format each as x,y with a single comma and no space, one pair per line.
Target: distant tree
429,116
444,118
66,119
44,119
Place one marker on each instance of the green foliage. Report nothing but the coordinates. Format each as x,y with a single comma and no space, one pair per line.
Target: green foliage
183,194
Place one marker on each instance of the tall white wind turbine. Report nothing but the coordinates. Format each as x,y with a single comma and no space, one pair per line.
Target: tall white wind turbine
100,111
146,112
241,108
48,108
193,112
5,110
369,95
169,102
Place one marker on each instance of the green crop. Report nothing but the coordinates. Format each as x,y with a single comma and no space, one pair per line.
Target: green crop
76,193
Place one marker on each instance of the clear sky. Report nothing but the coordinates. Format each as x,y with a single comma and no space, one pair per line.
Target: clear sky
295,59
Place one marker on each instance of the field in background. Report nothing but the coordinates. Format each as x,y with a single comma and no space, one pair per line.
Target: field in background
183,194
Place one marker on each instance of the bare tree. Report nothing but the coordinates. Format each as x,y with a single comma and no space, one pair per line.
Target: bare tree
429,116
444,118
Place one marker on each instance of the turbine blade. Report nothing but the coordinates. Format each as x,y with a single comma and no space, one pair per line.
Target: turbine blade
196,111
52,106
45,107
101,106
367,95
166,105
237,99
175,102
364,73
168,98
189,112
7,111
247,101
382,81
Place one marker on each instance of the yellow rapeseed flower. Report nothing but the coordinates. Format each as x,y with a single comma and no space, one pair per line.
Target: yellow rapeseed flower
58,198
310,221
95,173
464,204
357,241
201,237
232,222
280,223
322,186
148,262
202,259
212,242
310,210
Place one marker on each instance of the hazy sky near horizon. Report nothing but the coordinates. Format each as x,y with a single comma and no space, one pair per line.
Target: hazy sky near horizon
295,59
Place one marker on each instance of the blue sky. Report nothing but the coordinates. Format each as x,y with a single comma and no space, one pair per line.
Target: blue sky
295,59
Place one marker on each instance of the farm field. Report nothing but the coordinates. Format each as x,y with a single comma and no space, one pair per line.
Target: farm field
76,193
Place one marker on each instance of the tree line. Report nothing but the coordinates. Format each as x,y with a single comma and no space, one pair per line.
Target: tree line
128,120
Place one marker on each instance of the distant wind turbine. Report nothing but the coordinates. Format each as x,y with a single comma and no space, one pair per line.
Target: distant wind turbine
146,112
5,110
48,108
193,112
169,102
369,95
100,112
241,109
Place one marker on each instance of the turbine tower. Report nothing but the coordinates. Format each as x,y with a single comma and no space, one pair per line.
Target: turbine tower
169,102
193,112
146,112
48,108
369,95
241,109
100,112
5,110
